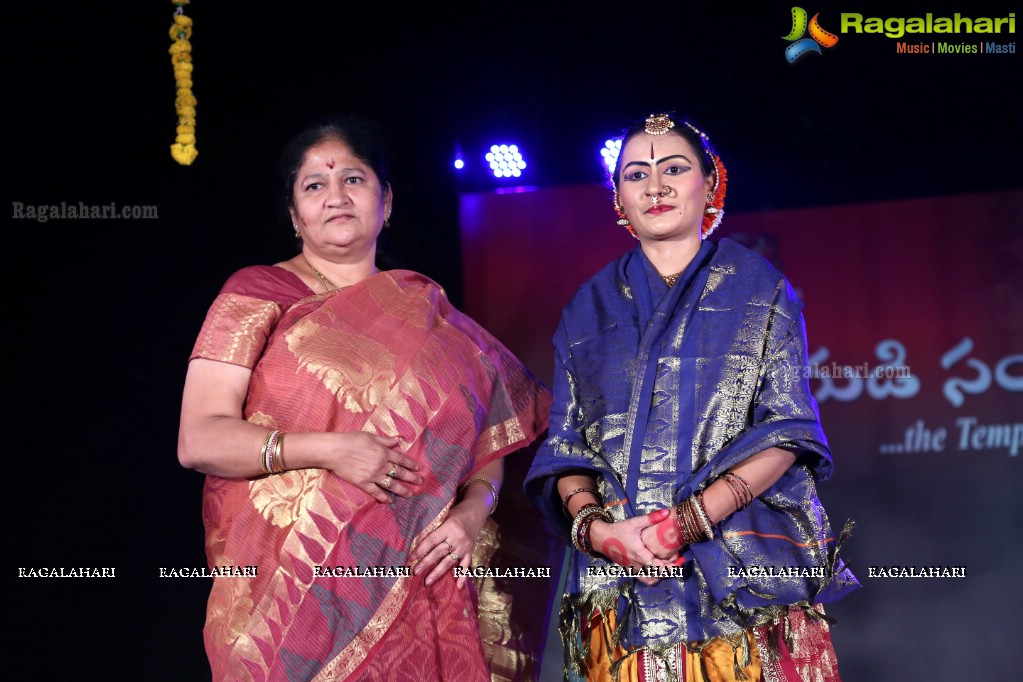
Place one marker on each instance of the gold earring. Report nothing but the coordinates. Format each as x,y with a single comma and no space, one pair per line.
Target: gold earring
710,210
622,220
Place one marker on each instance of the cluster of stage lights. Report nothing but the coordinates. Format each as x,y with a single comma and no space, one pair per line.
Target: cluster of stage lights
506,160
610,152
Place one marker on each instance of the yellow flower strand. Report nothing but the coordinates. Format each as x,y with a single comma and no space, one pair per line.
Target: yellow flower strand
183,150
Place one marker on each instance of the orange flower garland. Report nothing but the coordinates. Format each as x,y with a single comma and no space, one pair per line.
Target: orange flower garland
183,150
713,219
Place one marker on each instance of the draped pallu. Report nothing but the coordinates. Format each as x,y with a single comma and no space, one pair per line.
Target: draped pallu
389,356
658,391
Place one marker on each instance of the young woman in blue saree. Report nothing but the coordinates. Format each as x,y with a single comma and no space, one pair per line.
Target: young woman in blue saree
685,444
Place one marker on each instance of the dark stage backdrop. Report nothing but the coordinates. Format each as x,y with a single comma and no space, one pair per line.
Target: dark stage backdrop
105,311
914,313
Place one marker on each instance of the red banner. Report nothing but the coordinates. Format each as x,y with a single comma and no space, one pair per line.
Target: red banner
914,309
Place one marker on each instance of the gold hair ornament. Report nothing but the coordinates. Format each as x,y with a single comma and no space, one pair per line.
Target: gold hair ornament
658,124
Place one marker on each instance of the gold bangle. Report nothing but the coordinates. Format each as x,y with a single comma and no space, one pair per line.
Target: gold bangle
277,461
587,510
701,514
583,541
688,526
263,464
487,482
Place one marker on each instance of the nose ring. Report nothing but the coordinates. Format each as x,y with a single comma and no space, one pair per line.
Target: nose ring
667,191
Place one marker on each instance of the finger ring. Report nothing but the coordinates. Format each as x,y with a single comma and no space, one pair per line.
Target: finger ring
450,547
454,556
393,472
385,484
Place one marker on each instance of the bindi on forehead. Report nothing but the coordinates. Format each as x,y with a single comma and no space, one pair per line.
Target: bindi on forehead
330,164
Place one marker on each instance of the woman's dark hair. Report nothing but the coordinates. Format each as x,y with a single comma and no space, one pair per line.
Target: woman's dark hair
698,143
361,135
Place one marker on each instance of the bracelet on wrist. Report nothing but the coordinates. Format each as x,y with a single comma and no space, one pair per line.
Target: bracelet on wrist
741,490
271,459
487,482
564,503
701,516
691,520
589,513
584,532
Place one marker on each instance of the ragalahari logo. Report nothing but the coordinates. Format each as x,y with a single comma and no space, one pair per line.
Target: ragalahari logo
801,46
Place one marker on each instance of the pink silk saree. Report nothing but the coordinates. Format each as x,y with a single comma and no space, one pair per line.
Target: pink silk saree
389,355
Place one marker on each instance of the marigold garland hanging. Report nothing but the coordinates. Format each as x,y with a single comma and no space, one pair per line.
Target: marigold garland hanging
183,150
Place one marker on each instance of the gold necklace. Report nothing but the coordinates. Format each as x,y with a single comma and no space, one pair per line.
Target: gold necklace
671,279
324,282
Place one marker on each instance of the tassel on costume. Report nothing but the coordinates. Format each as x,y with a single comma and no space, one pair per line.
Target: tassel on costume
574,610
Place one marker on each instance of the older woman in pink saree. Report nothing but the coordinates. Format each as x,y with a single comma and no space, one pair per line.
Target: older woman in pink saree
351,424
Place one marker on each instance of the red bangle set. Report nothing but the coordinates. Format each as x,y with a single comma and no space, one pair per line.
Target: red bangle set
691,519
741,490
589,513
690,515
564,504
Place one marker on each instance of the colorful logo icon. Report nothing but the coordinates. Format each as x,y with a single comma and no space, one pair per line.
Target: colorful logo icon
801,46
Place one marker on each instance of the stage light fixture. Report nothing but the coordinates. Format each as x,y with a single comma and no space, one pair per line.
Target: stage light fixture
506,161
609,152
